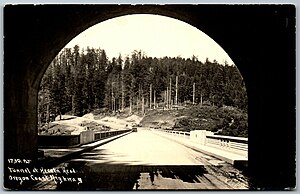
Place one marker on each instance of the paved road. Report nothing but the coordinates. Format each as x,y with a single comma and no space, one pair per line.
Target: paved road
144,148
144,160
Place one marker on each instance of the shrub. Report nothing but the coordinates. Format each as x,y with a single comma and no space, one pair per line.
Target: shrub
225,120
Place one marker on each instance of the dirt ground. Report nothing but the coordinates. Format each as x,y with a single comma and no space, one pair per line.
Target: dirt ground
74,125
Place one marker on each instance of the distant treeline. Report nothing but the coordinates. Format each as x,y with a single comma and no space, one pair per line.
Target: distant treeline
79,81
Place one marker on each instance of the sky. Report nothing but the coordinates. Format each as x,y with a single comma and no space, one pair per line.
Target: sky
157,36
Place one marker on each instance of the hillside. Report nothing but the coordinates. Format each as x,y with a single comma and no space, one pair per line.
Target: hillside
74,125
224,120
221,120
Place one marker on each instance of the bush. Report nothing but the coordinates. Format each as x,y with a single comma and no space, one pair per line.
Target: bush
225,120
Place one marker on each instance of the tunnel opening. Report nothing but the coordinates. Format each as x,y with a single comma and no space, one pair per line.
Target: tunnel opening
80,80
193,88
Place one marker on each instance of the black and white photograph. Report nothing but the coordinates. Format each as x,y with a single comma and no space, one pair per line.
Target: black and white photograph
175,97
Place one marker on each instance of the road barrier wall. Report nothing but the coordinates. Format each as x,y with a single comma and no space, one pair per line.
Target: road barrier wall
87,136
237,145
106,134
57,141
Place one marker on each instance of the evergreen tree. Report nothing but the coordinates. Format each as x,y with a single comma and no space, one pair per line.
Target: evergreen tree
77,101
78,83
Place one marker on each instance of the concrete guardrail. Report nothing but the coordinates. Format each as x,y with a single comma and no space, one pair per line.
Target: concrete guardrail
74,140
237,145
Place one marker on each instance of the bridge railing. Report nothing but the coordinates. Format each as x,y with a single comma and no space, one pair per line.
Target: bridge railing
237,145
106,134
183,134
84,137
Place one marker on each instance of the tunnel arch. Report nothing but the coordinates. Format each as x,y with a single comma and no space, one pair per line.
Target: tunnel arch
35,34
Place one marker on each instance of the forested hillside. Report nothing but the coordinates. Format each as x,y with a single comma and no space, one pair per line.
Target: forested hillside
79,81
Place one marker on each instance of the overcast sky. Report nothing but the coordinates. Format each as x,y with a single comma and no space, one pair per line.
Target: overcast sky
157,36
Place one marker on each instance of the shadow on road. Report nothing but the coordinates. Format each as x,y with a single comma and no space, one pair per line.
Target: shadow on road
128,177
